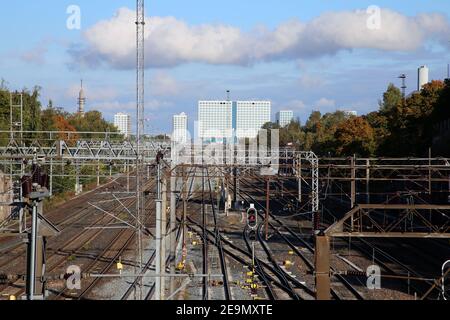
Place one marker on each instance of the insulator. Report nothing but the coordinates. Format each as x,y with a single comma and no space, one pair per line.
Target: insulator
159,157
317,218
356,273
36,171
44,181
27,186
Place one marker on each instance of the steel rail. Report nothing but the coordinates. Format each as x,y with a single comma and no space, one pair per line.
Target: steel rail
223,263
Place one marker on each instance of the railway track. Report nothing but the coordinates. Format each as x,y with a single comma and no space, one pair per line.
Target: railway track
251,199
391,265
282,275
63,224
215,238
269,273
72,246
394,266
122,240
230,249
223,262
67,249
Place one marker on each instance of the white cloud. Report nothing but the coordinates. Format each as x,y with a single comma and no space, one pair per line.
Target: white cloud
170,42
163,84
310,81
296,105
129,107
36,55
325,103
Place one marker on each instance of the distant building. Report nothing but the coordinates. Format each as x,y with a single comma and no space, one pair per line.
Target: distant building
222,121
422,77
215,120
251,116
123,123
180,133
81,100
350,113
284,117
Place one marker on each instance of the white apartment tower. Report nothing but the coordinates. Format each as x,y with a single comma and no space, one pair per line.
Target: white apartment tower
180,127
123,122
251,116
285,117
221,121
215,120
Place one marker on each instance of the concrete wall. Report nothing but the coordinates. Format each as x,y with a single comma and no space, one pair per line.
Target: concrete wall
5,196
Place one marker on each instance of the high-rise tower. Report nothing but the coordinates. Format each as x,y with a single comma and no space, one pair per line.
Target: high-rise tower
81,100
423,77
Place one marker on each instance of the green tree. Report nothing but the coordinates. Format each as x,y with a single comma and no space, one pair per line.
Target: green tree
380,125
92,121
391,99
410,123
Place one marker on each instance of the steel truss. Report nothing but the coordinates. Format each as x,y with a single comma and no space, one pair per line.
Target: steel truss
394,221
313,160
89,150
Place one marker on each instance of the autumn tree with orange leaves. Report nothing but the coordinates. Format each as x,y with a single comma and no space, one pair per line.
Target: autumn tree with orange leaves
67,132
355,136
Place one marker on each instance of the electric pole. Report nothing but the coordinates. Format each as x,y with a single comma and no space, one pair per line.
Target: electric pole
140,25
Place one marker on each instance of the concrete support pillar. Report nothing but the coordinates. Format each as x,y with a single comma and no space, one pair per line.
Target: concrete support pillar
173,225
353,183
35,257
51,176
163,235
266,220
322,264
185,198
368,180
299,178
98,174
158,235
77,179
128,177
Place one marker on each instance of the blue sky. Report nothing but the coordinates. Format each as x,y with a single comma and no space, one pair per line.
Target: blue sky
329,65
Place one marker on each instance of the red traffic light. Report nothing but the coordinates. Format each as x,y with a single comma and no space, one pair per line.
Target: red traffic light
252,217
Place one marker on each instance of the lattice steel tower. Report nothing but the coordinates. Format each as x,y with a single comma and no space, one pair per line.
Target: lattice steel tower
140,41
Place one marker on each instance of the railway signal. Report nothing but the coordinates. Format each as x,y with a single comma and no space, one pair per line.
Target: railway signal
17,189
252,217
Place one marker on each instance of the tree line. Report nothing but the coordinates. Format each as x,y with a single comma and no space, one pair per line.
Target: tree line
50,118
37,118
401,127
